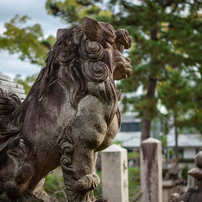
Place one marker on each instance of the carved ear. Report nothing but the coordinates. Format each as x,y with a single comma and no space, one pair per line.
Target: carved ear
101,32
91,28
60,32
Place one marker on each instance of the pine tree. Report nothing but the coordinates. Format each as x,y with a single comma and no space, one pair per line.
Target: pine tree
176,94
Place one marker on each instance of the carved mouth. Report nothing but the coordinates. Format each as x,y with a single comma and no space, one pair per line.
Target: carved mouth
123,69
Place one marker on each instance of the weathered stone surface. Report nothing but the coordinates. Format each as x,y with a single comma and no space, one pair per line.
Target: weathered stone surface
115,174
71,112
151,170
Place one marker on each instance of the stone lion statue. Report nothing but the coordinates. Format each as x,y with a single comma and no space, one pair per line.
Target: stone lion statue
70,113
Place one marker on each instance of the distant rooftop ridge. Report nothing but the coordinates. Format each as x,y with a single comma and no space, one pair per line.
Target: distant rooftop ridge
7,84
5,77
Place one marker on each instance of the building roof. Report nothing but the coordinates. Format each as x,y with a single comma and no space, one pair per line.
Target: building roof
7,84
4,77
185,140
129,139
133,140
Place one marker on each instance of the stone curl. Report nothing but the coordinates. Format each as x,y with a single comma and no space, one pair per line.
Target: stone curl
95,71
91,50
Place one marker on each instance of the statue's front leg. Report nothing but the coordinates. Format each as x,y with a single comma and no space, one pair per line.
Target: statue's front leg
78,165
79,142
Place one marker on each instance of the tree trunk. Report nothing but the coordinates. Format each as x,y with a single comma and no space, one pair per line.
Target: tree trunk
176,138
146,122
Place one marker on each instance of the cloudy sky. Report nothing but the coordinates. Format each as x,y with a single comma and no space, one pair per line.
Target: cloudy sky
35,9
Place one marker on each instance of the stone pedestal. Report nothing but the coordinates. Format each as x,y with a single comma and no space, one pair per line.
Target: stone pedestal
115,174
151,170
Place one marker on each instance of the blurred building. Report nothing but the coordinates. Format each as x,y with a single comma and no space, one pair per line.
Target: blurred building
188,145
7,84
129,137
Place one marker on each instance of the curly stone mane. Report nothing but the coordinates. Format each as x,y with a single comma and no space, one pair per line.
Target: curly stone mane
77,63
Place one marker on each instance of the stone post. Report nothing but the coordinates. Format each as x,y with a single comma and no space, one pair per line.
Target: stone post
115,174
151,170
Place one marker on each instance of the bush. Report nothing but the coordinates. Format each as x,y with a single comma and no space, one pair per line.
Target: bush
134,182
54,185
184,172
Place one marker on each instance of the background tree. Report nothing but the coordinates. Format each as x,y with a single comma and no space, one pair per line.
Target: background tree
177,96
163,33
27,41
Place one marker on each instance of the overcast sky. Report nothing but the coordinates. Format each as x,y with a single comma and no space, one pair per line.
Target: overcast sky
35,9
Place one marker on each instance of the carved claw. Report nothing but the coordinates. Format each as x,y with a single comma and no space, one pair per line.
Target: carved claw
88,182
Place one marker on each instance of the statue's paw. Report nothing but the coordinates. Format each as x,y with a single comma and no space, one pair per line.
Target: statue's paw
88,182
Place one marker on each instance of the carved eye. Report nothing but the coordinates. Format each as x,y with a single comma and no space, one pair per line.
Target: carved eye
15,154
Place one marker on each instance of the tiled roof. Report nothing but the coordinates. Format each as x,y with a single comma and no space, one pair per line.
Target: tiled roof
7,84
185,140
133,140
129,139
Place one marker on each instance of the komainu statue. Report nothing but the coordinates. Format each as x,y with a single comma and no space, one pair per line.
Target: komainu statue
70,113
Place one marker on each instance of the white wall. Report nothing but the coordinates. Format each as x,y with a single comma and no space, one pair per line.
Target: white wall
189,153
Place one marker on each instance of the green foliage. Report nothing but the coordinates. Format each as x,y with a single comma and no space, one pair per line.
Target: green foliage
134,182
184,172
176,95
117,142
133,155
163,139
98,190
171,153
27,41
75,10
54,185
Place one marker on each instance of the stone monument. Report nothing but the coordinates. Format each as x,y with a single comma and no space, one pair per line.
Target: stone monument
151,170
70,113
115,174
